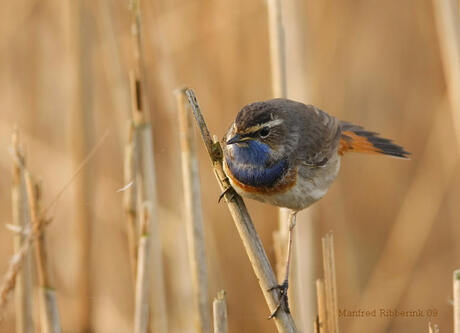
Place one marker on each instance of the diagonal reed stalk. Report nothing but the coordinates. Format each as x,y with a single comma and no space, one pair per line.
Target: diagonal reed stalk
219,306
244,225
193,214
23,290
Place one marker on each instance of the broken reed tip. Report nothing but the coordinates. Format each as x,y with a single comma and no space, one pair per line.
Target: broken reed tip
457,275
220,295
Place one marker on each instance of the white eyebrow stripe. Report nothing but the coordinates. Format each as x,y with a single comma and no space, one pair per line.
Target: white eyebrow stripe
274,122
270,124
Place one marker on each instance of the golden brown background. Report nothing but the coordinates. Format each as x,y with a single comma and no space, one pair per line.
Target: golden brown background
375,63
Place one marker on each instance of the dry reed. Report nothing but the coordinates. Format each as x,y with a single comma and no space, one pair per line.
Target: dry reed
16,262
193,214
219,306
433,328
279,89
244,225
447,20
330,284
9,279
300,304
277,49
145,182
321,321
144,160
23,290
129,198
49,313
296,30
141,316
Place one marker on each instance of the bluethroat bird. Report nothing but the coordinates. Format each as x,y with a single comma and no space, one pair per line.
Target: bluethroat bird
287,154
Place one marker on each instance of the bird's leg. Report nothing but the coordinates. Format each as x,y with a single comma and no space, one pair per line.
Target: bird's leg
283,288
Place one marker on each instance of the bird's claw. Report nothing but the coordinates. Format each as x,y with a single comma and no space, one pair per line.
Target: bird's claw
227,190
283,298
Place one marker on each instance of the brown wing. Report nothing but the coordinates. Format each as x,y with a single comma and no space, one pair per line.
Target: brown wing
319,136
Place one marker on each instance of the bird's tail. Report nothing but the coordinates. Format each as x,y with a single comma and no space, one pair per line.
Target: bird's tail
355,139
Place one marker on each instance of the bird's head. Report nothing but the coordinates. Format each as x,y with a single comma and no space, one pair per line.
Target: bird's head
262,129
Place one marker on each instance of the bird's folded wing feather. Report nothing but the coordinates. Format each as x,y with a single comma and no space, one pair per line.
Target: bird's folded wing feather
319,137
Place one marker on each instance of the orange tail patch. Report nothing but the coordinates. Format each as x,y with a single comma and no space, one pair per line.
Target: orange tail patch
352,142
357,139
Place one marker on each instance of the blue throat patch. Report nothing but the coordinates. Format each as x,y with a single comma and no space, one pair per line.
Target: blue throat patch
249,165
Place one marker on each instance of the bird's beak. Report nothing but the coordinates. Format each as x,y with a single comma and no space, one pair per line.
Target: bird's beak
235,139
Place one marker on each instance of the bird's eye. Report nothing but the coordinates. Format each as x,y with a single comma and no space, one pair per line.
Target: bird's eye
264,132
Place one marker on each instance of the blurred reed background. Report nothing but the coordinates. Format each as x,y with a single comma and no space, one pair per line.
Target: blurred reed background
64,82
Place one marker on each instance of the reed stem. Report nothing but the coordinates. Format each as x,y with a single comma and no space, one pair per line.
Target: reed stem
220,313
49,313
457,301
193,214
24,289
321,299
145,182
141,316
447,20
279,89
330,284
129,198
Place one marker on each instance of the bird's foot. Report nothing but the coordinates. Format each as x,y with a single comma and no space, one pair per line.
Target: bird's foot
283,298
227,190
